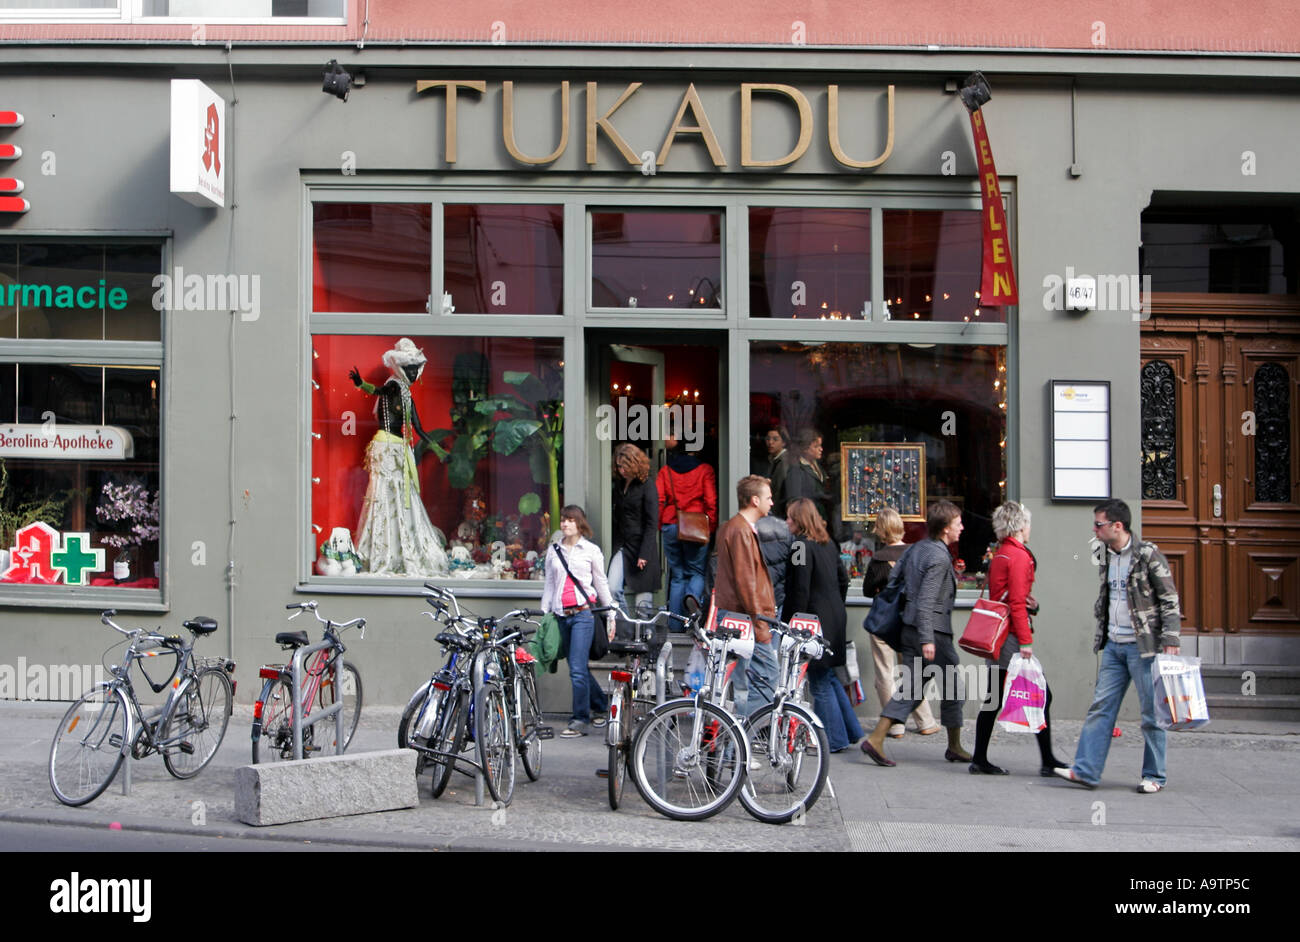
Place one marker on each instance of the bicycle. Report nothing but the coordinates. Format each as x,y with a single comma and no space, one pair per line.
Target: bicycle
789,765
107,724
434,721
494,701
628,705
326,679
690,756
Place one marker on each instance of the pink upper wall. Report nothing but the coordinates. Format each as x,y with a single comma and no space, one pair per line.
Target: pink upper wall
1185,25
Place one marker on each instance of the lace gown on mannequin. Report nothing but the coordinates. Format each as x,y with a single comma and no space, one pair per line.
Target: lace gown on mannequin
394,535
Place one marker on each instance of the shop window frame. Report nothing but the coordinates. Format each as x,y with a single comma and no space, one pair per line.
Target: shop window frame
423,328
728,245
103,353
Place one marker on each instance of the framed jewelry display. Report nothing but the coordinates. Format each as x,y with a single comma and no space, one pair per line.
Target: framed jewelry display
882,474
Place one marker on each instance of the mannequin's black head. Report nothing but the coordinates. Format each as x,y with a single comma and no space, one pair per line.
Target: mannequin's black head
412,371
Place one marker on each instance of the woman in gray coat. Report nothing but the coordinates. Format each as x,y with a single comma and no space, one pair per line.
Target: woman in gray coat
931,587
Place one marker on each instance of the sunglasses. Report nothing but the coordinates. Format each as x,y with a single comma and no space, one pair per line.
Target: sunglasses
1098,524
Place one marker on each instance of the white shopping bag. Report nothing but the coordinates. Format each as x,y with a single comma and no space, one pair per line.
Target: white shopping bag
1024,698
1179,692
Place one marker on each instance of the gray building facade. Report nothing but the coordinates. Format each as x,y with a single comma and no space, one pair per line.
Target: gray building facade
545,168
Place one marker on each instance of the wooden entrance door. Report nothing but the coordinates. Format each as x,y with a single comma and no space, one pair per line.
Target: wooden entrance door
1221,456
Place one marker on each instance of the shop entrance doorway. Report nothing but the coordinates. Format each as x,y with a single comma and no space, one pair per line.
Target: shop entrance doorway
1221,457
641,389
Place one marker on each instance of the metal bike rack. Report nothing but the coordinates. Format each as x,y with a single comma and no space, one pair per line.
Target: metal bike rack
295,682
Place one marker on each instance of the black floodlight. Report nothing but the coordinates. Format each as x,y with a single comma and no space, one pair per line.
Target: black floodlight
975,91
338,82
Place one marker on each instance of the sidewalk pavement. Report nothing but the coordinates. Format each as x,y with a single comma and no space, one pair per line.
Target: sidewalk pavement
1230,789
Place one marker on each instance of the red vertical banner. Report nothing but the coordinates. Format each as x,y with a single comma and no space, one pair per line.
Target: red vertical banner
998,280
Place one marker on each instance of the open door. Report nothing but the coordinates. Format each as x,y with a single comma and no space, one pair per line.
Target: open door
645,388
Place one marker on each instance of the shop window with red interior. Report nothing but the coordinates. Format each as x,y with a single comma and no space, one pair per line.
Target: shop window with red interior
870,425
435,456
80,501
371,257
810,263
932,266
661,260
503,259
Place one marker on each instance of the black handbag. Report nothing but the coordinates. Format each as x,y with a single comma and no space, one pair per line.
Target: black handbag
599,637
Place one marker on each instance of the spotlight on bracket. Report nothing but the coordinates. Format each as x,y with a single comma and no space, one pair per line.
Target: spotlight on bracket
337,81
975,91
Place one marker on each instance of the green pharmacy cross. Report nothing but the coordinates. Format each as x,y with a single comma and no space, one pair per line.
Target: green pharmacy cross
74,560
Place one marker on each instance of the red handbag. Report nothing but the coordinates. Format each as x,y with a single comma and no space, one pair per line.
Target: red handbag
987,629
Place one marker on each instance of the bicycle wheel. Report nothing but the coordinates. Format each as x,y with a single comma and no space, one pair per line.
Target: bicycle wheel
198,721
669,760
620,735
88,746
351,708
530,715
789,765
276,742
492,732
448,738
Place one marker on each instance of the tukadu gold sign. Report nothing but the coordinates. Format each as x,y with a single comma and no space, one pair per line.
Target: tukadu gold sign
690,123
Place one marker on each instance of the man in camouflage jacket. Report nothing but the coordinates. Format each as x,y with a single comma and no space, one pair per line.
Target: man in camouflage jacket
1137,616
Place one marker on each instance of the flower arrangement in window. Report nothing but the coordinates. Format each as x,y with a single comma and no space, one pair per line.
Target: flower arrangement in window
133,504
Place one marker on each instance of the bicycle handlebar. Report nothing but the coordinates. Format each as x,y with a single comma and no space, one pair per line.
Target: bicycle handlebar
310,606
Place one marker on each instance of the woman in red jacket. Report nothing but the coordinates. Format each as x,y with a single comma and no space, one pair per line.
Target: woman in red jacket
1011,577
688,484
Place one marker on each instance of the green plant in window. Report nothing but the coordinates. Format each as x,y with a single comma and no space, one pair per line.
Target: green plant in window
535,421
531,420
14,515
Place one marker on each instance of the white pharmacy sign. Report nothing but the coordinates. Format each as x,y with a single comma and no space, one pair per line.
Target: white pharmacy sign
72,442
198,146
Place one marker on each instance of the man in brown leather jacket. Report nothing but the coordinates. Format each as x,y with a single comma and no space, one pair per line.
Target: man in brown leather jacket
742,584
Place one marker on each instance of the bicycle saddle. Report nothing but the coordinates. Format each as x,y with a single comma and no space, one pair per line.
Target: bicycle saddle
201,625
295,639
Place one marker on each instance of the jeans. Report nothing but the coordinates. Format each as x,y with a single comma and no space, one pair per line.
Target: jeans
831,704
576,631
686,563
616,582
761,674
1120,663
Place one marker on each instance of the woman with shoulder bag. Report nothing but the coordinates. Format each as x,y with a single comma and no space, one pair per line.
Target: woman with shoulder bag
575,583
1011,575
889,547
686,485
931,586
816,583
